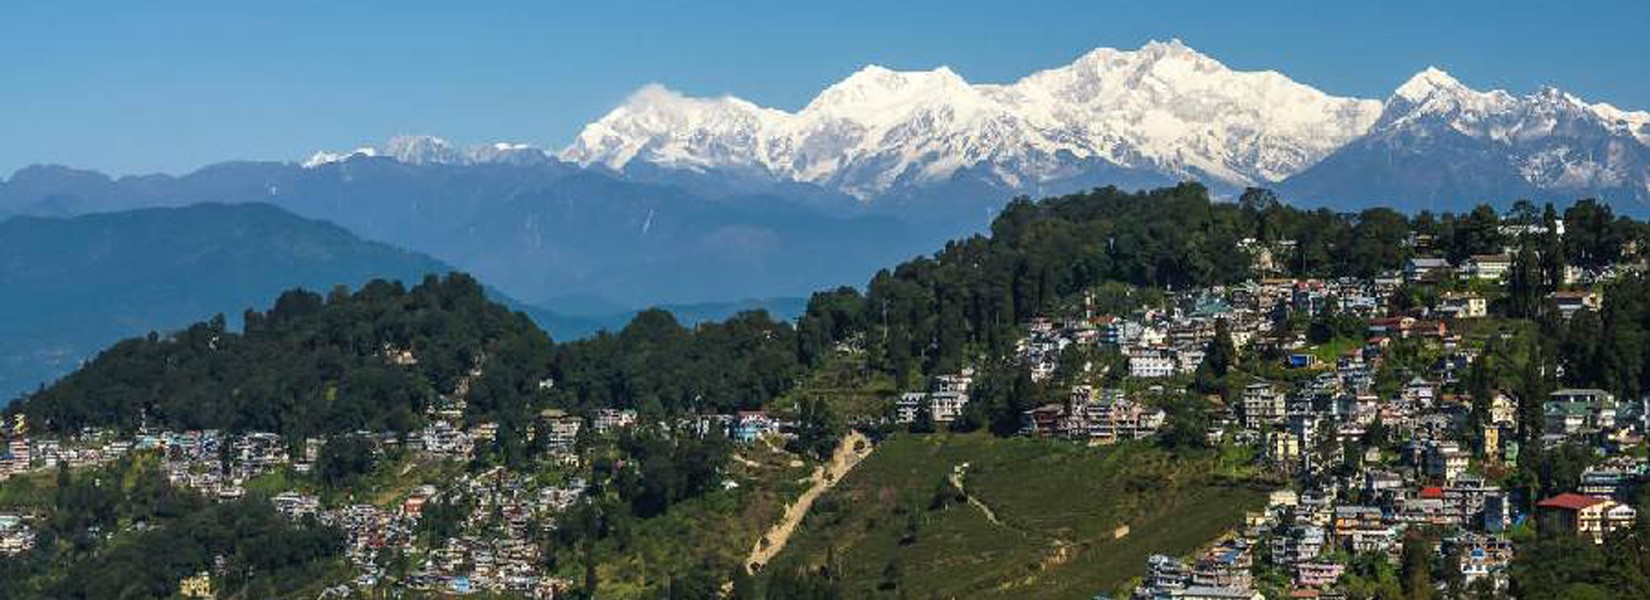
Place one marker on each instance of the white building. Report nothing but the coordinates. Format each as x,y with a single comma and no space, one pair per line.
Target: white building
1152,363
1491,267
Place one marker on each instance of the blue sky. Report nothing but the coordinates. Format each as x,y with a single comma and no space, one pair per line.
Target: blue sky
136,87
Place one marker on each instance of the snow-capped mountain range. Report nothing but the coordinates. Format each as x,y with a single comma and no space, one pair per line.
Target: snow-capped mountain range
1163,108
1164,112
1439,143
431,150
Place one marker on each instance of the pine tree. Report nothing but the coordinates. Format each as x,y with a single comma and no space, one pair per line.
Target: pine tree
1222,354
1417,568
1551,249
1524,284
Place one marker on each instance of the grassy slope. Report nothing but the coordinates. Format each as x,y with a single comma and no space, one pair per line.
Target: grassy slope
1332,350
1058,504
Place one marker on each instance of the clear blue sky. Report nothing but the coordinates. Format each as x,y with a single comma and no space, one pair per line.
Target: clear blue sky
134,87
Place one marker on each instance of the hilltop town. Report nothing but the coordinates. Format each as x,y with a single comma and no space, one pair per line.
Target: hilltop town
1378,415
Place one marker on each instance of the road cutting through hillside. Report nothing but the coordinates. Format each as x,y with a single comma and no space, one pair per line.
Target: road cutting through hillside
853,449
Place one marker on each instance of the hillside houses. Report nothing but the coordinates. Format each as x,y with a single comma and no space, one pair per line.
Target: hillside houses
1569,302
1425,268
1578,414
1263,405
1464,305
560,430
1158,343
1442,465
608,419
1094,416
1109,416
944,401
16,536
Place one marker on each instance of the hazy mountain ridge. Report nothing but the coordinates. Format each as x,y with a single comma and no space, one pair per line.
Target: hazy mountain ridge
537,230
75,285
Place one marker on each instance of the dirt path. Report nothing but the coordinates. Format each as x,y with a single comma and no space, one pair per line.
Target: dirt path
957,475
745,461
853,448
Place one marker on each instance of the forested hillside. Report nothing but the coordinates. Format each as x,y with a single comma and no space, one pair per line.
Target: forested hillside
373,359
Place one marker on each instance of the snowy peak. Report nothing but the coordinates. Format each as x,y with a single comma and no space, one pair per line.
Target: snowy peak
1427,83
1173,46
1163,109
432,150
1433,99
1155,55
1439,141
665,127
876,85
422,150
324,157
1147,116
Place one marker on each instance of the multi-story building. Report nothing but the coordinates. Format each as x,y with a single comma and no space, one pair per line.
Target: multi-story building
1152,363
1262,405
1446,460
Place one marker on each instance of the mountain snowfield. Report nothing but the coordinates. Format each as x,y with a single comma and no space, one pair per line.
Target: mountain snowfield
1163,108
1162,113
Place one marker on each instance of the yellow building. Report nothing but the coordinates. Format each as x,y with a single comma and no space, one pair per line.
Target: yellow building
199,586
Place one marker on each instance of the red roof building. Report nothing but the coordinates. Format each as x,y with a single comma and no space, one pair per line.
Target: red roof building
1587,516
1568,501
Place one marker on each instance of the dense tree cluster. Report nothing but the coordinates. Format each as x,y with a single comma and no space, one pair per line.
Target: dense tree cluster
345,459
660,367
311,365
660,470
